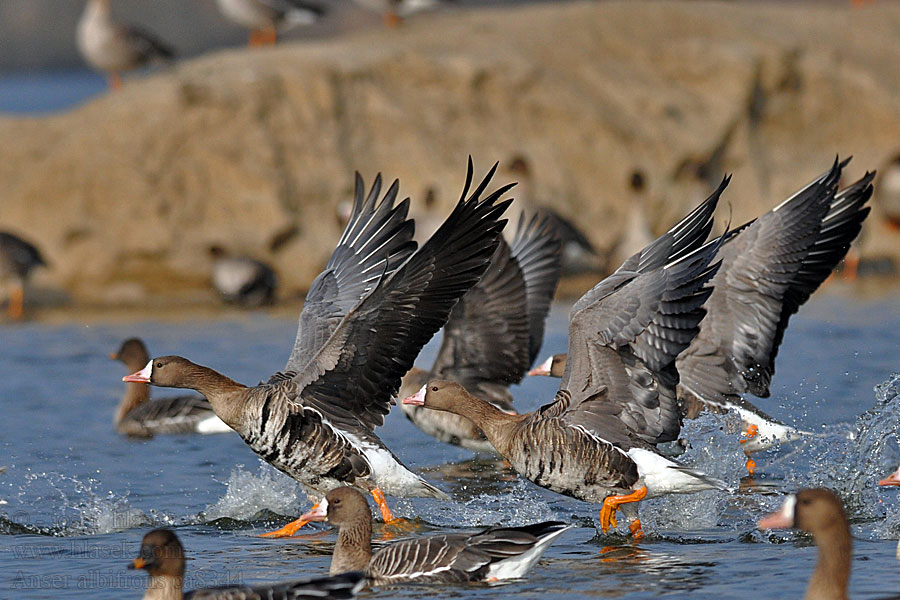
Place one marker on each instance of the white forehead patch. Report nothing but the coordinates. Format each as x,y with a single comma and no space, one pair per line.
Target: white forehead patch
787,509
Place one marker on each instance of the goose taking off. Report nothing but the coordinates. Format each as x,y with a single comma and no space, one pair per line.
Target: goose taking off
494,333
596,440
770,267
365,319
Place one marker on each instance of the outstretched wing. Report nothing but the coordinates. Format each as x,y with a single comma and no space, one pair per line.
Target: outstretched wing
375,242
486,337
625,333
769,269
355,375
538,251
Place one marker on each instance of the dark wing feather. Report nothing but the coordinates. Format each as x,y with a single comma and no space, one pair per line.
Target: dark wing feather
625,333
768,270
21,255
375,242
356,374
486,337
309,7
622,349
148,45
337,587
679,241
456,557
537,249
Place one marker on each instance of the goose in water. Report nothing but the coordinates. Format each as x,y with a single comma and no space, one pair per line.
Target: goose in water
770,267
113,48
820,513
162,556
242,280
265,18
17,259
365,319
490,555
596,440
892,480
139,416
494,333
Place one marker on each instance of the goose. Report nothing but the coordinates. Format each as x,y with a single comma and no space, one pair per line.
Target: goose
494,333
578,254
365,319
596,440
265,18
393,11
892,480
138,416
113,48
162,556
242,280
820,513
493,554
770,267
17,259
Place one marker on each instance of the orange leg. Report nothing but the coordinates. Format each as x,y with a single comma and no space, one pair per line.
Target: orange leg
635,527
751,466
850,272
391,19
115,81
386,516
16,302
752,432
269,36
611,506
289,529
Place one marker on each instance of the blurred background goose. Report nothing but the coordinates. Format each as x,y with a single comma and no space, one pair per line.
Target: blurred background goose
113,48
17,259
242,280
265,18
139,416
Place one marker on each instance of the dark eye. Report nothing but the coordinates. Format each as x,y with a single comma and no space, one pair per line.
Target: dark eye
434,388
336,502
159,365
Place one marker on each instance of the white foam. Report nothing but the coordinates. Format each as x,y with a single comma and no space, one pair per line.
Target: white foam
249,493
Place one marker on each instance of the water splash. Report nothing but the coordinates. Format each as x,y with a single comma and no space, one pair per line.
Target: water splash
248,495
714,450
79,508
519,503
851,458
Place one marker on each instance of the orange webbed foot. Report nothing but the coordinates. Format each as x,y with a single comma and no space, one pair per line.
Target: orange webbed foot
288,530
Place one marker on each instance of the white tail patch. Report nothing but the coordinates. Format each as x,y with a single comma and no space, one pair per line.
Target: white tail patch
769,433
664,476
516,566
213,425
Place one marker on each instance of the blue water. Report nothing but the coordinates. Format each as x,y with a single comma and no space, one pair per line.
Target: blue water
79,497
33,93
